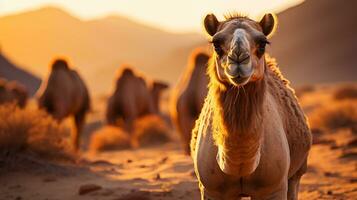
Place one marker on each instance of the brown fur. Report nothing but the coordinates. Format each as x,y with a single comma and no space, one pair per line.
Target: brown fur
130,100
250,121
13,92
64,94
189,95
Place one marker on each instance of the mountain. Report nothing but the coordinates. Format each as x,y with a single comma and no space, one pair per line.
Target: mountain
13,73
96,47
316,42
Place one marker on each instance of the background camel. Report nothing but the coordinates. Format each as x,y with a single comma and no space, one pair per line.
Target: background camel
157,88
252,138
13,92
188,97
63,94
130,100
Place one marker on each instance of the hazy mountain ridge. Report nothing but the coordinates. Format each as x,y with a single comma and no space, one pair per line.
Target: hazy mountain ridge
11,72
315,42
95,47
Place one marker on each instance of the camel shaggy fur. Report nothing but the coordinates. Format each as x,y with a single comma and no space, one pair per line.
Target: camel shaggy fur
64,94
13,92
130,100
252,137
188,97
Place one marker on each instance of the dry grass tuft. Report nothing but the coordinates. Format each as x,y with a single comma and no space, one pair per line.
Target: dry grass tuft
336,115
150,130
300,91
32,131
346,92
109,138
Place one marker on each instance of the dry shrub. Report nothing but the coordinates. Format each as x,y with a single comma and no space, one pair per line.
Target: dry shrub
34,132
109,138
300,91
346,92
335,115
150,130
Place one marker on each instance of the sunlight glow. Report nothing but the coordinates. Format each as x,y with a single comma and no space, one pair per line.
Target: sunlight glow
177,16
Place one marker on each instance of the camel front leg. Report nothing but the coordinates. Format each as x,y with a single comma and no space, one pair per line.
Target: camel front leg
294,182
279,194
79,119
205,195
293,188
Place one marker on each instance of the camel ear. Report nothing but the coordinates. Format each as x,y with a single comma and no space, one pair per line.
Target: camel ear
268,24
211,24
160,85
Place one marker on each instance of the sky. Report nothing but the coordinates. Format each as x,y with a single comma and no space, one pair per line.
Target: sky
170,15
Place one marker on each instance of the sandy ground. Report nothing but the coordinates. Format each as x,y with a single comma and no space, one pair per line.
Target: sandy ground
165,173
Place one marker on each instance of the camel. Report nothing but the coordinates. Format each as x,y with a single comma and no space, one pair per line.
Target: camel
157,87
64,94
130,100
251,138
13,92
188,97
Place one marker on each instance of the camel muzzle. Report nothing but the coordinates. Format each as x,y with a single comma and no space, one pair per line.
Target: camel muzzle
239,74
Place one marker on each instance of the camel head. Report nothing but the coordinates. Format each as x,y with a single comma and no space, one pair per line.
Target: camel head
239,45
159,86
59,64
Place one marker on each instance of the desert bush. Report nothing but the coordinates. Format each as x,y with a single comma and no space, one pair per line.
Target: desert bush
335,115
150,130
346,92
300,91
109,138
32,131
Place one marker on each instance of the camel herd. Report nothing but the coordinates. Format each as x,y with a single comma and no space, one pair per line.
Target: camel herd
236,114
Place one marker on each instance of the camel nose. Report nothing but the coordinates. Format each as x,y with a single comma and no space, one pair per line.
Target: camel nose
232,71
235,70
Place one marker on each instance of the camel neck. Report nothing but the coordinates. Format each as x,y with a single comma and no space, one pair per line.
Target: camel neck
237,122
240,109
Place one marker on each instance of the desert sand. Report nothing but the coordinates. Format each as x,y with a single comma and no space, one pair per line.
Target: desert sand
164,172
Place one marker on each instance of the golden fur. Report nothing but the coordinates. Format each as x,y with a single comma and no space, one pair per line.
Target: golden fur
252,137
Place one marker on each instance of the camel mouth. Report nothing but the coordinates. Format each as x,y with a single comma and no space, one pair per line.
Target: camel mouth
239,74
239,80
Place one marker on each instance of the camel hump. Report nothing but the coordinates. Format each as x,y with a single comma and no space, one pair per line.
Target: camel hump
199,57
127,71
59,63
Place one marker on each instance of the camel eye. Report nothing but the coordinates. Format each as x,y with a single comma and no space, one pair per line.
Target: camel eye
218,48
261,47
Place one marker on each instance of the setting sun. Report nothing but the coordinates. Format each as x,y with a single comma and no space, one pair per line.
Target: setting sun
184,15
